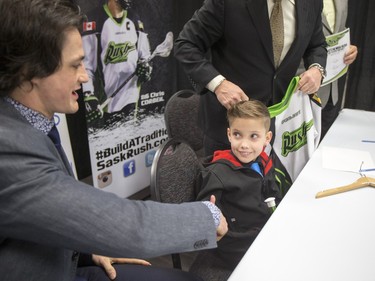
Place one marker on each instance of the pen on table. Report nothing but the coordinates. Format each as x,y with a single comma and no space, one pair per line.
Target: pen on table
371,141
367,170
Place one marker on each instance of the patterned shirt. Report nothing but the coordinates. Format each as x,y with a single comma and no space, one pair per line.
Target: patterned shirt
215,211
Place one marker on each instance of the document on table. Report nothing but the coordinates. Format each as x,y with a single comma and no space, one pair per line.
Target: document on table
337,45
349,160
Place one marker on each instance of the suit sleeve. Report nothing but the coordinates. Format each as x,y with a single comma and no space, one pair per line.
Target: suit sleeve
198,35
316,51
40,203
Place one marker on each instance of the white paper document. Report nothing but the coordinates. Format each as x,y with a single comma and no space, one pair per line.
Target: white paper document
350,160
337,45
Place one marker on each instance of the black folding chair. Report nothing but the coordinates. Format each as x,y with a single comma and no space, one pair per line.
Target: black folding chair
173,173
181,119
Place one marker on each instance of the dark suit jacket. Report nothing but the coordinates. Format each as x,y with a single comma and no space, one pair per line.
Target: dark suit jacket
238,34
45,214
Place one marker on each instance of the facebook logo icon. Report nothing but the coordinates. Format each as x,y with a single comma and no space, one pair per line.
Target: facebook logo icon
129,168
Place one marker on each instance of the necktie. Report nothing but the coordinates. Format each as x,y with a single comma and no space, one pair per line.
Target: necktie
277,30
55,137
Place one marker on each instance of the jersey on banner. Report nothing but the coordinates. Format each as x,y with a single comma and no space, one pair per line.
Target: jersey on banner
297,128
126,92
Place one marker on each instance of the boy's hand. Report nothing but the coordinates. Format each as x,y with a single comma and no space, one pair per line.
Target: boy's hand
222,229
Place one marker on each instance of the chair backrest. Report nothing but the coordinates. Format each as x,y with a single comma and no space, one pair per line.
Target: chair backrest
174,172
181,119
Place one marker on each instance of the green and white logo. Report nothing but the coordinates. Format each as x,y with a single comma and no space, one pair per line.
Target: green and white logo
292,141
118,52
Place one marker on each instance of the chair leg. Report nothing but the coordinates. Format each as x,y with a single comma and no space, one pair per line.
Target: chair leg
176,261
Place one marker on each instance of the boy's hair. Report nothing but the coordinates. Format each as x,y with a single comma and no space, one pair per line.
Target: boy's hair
251,109
32,35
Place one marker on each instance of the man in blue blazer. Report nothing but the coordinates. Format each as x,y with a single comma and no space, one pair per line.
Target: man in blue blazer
47,217
237,35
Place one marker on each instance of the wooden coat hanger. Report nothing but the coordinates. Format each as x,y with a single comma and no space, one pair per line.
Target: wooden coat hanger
361,182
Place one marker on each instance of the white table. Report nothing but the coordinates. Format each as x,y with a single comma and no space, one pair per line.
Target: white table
326,239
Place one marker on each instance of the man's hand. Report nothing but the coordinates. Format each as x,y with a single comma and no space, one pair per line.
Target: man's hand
351,55
228,94
222,229
143,71
310,81
107,262
92,109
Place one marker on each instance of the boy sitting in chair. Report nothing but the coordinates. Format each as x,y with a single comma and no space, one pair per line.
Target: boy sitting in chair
241,179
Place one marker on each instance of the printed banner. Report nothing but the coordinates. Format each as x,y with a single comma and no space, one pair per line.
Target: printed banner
127,57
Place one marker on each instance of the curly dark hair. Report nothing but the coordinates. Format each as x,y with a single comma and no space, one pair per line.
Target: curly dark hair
32,35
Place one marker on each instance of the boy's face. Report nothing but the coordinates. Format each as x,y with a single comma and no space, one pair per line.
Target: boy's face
248,137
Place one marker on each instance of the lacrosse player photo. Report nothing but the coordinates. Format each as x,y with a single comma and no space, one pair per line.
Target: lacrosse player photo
118,60
127,58
116,46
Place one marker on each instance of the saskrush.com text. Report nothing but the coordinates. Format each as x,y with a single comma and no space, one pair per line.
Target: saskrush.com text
110,156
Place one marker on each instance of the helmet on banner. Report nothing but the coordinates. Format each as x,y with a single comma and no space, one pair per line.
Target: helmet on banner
125,4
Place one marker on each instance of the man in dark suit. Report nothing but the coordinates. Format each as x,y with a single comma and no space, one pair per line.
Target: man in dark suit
47,217
242,65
